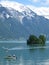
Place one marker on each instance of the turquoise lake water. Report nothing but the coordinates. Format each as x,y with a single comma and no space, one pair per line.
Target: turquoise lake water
26,55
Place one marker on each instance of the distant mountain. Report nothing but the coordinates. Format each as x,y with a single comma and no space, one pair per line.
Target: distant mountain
20,23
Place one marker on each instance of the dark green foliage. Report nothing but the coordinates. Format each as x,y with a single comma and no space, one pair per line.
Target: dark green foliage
34,40
43,38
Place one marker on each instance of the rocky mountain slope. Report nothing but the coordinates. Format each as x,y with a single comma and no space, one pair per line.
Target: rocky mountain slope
21,22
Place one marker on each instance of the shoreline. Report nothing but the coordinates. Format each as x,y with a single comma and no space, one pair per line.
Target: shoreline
13,41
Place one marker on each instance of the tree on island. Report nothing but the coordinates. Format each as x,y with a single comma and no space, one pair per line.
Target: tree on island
35,40
43,38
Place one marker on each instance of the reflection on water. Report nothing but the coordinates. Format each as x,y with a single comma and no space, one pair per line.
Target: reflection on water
26,55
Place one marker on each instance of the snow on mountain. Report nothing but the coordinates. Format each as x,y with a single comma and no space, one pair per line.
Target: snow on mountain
15,5
7,16
19,21
43,11
17,10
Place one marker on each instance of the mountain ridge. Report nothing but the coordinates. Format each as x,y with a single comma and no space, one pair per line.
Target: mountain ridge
15,24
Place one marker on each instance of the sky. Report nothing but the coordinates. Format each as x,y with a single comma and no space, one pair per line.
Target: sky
37,3
41,7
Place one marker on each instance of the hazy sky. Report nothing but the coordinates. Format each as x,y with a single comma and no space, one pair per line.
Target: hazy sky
37,3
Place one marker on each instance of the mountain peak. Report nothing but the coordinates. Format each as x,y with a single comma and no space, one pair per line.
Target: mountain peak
18,7
19,21
14,5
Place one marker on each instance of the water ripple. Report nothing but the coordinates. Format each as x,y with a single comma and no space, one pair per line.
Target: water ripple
20,48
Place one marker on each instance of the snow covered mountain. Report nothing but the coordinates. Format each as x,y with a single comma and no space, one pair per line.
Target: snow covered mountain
20,21
43,11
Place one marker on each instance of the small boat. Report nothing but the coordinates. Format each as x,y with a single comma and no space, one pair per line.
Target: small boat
11,57
8,57
14,57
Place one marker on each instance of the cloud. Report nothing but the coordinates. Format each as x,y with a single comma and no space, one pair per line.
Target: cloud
46,2
4,0
40,2
33,0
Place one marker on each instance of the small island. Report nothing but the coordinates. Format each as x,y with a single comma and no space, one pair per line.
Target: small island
36,40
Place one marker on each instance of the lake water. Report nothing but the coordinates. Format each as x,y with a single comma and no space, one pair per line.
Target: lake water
26,55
